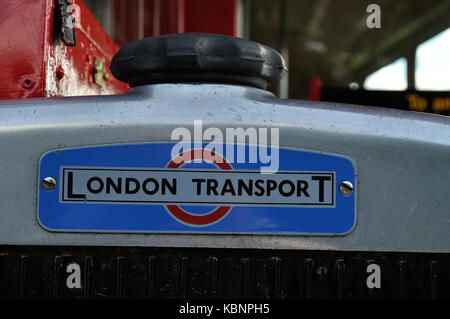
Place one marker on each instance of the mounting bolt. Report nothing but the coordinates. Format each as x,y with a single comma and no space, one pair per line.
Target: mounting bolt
99,72
49,183
346,188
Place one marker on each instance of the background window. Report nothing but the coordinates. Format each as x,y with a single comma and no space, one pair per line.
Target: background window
392,77
433,63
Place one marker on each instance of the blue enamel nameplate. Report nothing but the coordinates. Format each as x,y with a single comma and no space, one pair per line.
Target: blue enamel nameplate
144,188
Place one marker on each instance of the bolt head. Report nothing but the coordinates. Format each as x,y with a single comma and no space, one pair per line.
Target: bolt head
346,188
49,183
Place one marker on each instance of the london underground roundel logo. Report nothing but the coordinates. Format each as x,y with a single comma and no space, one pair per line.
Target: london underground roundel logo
193,219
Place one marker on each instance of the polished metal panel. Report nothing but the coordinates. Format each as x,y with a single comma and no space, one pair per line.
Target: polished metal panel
402,160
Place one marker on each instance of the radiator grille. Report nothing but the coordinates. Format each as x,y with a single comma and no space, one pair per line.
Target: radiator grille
194,273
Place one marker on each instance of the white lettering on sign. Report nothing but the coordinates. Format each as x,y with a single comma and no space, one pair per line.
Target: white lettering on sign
194,186
374,279
74,279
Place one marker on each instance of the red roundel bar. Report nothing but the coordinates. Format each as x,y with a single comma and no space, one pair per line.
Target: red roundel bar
189,218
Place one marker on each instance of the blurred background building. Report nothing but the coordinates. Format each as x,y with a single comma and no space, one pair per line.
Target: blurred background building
327,44
336,50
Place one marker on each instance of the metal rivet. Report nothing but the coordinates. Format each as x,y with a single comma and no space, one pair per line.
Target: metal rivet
59,73
346,188
49,183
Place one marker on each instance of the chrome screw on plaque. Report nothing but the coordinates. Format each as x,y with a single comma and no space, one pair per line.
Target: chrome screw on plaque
49,183
346,188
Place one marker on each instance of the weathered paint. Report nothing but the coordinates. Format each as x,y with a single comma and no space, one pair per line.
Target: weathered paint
33,64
